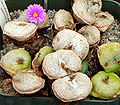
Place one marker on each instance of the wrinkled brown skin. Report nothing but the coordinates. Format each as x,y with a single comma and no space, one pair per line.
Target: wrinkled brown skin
35,63
66,27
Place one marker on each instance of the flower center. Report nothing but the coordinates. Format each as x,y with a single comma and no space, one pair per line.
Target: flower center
35,14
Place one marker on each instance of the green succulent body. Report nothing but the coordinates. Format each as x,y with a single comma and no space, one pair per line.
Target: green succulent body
105,85
40,56
16,60
109,56
43,52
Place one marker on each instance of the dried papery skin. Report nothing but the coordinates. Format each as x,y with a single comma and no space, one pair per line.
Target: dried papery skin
61,63
63,19
27,82
66,27
72,88
40,56
94,5
103,21
44,24
15,60
84,10
105,85
109,56
68,39
19,30
23,16
91,33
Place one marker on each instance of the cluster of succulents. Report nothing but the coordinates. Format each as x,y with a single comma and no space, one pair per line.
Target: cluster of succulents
62,58
17,63
106,84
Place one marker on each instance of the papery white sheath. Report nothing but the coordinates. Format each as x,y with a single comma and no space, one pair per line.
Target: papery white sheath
4,14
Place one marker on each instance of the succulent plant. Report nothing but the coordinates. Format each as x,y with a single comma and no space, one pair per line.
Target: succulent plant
105,85
109,56
40,56
15,60
72,87
27,82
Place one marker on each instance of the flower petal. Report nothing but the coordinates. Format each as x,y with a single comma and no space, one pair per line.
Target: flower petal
39,10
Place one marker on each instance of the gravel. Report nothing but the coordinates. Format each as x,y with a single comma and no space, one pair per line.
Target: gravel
51,14
112,34
7,48
14,15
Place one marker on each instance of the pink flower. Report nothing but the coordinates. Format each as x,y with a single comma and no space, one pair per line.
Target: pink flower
36,13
